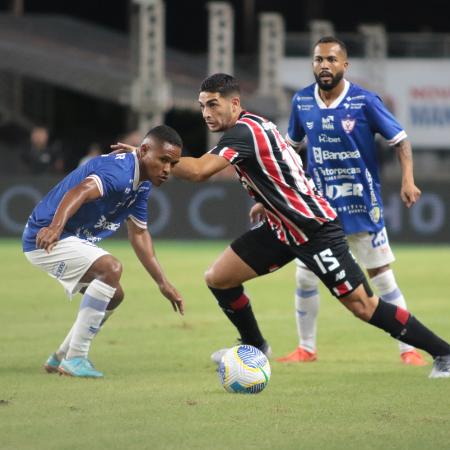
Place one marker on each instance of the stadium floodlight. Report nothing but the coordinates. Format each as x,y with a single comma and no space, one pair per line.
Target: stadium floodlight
221,38
150,91
220,46
271,54
320,29
375,54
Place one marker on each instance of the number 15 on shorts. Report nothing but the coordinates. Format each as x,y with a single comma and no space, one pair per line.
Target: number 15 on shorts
326,261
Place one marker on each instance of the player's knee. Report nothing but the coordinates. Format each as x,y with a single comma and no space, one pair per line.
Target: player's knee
111,270
213,279
306,279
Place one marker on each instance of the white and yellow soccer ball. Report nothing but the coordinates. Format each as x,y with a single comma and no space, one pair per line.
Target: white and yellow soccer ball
244,370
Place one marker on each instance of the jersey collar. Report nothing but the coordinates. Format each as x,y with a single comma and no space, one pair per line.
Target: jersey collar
335,104
137,172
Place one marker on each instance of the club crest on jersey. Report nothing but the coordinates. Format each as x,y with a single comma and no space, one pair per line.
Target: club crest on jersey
348,124
310,125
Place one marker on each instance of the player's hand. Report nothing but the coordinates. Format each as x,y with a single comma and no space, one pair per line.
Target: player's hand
47,238
257,213
410,193
120,147
173,296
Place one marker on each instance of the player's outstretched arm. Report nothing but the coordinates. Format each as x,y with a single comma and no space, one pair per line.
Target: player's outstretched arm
409,192
84,192
141,242
199,169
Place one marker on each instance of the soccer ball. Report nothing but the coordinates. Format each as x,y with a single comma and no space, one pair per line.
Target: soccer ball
244,369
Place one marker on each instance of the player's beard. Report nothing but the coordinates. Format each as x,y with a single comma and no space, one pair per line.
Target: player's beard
335,80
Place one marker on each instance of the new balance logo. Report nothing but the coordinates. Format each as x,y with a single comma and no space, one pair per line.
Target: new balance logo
340,275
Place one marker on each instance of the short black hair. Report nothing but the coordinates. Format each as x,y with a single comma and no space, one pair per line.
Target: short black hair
222,83
331,40
165,133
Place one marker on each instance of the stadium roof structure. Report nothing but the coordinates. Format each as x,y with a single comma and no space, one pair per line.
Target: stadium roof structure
96,61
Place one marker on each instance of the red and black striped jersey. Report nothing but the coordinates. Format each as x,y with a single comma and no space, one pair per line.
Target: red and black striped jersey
272,173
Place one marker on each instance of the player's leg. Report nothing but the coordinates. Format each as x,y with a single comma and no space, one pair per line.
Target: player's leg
400,324
307,302
103,278
328,255
69,262
255,253
112,305
374,253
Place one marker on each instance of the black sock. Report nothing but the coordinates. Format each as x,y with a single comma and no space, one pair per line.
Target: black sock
236,306
401,325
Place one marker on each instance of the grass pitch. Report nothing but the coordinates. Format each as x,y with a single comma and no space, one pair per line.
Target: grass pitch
160,390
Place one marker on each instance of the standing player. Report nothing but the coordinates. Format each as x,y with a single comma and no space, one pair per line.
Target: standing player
86,206
338,120
300,223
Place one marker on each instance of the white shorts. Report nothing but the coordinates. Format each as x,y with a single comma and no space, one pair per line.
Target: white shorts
69,260
372,250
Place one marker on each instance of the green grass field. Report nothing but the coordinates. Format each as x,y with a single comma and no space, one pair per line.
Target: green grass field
160,390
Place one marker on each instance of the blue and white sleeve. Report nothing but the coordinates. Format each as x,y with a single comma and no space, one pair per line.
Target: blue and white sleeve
139,210
296,133
382,121
110,176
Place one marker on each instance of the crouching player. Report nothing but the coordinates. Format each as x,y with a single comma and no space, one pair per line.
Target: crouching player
88,205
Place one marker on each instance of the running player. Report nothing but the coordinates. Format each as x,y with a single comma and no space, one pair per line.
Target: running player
300,223
88,205
337,121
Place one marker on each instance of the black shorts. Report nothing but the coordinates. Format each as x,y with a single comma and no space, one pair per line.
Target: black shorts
326,254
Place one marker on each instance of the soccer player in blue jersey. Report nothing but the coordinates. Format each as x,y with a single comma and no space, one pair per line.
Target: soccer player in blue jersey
90,204
337,122
299,223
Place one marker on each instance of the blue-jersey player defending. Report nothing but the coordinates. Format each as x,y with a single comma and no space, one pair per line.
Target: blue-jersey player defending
88,205
337,121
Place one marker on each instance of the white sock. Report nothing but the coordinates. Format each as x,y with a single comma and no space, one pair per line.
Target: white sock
307,307
64,347
90,315
387,289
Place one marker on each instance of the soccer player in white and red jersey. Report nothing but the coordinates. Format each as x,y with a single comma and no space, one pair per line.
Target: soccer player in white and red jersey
300,224
337,121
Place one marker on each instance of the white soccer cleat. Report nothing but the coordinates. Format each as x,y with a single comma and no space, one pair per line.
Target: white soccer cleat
216,357
441,367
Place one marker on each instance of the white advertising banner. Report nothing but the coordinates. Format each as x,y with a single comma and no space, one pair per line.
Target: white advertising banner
417,91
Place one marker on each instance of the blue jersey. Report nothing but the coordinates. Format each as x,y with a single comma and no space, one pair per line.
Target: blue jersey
341,150
122,197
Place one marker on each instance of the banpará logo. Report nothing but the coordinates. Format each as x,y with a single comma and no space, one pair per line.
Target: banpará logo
341,156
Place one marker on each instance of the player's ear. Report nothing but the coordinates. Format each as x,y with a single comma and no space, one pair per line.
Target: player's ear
144,149
236,102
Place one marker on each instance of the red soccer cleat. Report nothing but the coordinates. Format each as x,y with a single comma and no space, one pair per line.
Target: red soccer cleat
299,355
413,358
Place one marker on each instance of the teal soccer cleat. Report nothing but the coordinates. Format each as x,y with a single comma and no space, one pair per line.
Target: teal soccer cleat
52,364
78,367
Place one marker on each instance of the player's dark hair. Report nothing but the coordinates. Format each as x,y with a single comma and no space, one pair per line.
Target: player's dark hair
222,83
164,133
332,40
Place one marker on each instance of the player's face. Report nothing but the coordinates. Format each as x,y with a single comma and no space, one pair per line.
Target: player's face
219,112
329,65
157,160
